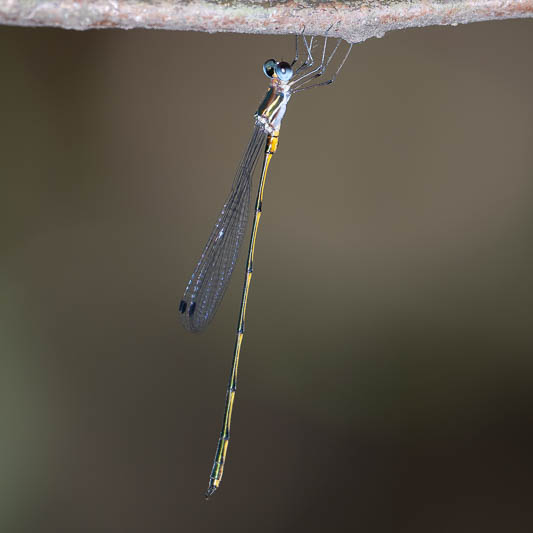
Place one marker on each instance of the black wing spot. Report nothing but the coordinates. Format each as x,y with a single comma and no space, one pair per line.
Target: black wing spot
183,306
192,308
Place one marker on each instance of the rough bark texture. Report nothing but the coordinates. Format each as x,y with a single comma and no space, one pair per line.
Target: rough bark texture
355,21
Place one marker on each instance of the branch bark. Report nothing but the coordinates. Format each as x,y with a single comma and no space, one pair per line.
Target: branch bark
355,20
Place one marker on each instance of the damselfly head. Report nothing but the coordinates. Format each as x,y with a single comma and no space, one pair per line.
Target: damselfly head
281,70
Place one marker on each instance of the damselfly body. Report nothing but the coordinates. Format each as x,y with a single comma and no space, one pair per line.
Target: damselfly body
210,278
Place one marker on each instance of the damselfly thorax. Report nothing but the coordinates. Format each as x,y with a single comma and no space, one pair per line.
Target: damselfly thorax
272,109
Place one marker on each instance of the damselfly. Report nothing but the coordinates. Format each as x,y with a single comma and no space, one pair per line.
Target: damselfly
211,276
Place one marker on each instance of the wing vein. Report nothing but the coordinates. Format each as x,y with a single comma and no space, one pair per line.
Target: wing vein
211,276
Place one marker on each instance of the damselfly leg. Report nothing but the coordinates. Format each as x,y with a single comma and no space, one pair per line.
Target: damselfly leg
304,87
308,63
303,75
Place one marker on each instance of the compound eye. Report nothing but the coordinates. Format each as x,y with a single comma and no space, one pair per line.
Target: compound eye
283,71
269,68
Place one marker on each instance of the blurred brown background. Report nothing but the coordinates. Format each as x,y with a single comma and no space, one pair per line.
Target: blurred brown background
387,371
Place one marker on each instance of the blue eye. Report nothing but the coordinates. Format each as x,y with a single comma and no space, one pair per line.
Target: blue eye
269,67
283,71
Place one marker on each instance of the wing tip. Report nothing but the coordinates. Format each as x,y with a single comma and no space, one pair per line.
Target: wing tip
188,317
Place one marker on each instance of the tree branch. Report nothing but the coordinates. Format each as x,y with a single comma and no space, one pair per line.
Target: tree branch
354,20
